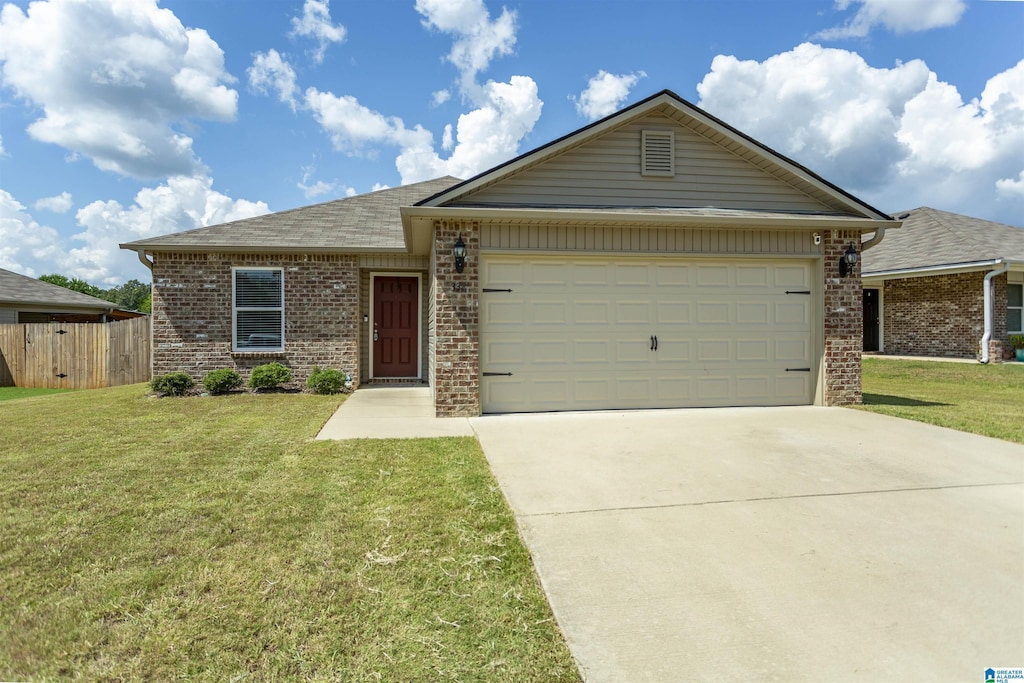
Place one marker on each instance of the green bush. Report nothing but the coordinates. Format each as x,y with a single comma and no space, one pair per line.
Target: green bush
326,381
222,381
172,384
269,376
1017,341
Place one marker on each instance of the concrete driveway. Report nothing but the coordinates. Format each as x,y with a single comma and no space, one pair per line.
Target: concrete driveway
770,543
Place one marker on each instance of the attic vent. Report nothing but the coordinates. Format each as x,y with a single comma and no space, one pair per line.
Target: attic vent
657,154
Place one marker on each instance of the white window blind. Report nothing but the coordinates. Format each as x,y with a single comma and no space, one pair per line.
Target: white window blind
259,309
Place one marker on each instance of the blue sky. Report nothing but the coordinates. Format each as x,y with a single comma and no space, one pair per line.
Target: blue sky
123,119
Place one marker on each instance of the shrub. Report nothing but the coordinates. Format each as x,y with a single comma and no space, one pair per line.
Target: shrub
326,381
1017,341
222,381
269,376
172,384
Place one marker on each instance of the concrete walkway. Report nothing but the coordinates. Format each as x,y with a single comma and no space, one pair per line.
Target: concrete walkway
769,544
391,413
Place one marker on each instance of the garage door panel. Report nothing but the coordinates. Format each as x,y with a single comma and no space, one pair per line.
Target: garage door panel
576,333
713,313
591,312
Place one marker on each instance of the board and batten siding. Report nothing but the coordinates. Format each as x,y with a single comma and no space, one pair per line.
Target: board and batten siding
647,240
606,172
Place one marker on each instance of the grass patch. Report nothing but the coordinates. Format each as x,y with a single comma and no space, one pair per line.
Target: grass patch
11,393
970,397
211,539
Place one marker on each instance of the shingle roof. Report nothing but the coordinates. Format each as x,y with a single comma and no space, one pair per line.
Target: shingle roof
931,238
22,289
364,222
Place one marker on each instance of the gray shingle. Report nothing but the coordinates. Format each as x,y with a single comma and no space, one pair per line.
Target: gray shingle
22,289
930,238
366,221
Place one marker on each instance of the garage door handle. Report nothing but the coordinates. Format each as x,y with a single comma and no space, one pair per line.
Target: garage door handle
652,343
655,342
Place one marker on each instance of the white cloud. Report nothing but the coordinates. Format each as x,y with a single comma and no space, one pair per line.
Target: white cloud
477,39
270,72
605,93
320,187
899,16
897,137
181,203
113,79
316,23
3,152
25,246
440,97
58,204
1011,186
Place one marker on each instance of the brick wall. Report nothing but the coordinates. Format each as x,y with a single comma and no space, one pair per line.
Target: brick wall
456,325
942,316
192,313
844,322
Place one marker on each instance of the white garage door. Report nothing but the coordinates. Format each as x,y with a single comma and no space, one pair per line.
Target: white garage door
597,333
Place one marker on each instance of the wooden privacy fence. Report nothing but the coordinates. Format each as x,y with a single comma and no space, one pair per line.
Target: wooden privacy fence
75,355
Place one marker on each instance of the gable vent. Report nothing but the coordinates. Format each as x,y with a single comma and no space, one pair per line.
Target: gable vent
657,155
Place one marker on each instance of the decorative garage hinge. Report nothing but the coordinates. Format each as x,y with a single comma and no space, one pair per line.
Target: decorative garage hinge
486,289
496,374
798,291
798,369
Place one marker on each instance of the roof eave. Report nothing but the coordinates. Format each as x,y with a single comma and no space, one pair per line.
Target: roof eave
236,249
944,269
812,221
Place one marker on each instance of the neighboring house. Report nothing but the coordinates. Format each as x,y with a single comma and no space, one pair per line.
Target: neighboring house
25,299
924,287
655,258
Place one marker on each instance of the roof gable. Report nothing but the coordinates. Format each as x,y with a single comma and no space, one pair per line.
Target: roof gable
366,222
599,166
930,238
22,289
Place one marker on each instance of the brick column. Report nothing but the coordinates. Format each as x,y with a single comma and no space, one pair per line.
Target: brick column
456,369
844,322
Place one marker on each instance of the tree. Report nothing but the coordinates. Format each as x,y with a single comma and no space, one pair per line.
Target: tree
131,296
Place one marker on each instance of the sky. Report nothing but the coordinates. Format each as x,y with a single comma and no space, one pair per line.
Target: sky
125,119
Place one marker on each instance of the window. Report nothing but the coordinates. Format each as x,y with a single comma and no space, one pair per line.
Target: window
1014,308
258,311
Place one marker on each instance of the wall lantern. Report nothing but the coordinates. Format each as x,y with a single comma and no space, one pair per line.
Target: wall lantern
460,254
847,261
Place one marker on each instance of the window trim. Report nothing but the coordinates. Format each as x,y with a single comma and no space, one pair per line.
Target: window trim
235,308
1014,308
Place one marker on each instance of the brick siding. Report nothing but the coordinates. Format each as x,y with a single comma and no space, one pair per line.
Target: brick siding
456,338
942,316
844,322
192,313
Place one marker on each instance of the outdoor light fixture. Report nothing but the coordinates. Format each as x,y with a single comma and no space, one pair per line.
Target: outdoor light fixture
460,254
847,261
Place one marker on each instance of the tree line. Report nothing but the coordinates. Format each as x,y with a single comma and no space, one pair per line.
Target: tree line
131,296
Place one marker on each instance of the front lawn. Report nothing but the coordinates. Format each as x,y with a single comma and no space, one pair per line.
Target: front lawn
11,393
211,539
970,397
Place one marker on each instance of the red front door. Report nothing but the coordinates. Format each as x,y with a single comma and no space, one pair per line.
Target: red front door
396,326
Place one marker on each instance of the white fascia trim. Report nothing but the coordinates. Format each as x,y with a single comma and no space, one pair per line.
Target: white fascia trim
626,216
928,271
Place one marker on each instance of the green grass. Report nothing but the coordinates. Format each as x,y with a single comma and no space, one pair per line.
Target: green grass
970,397
11,393
211,539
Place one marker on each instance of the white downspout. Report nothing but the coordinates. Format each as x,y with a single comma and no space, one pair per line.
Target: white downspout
988,307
